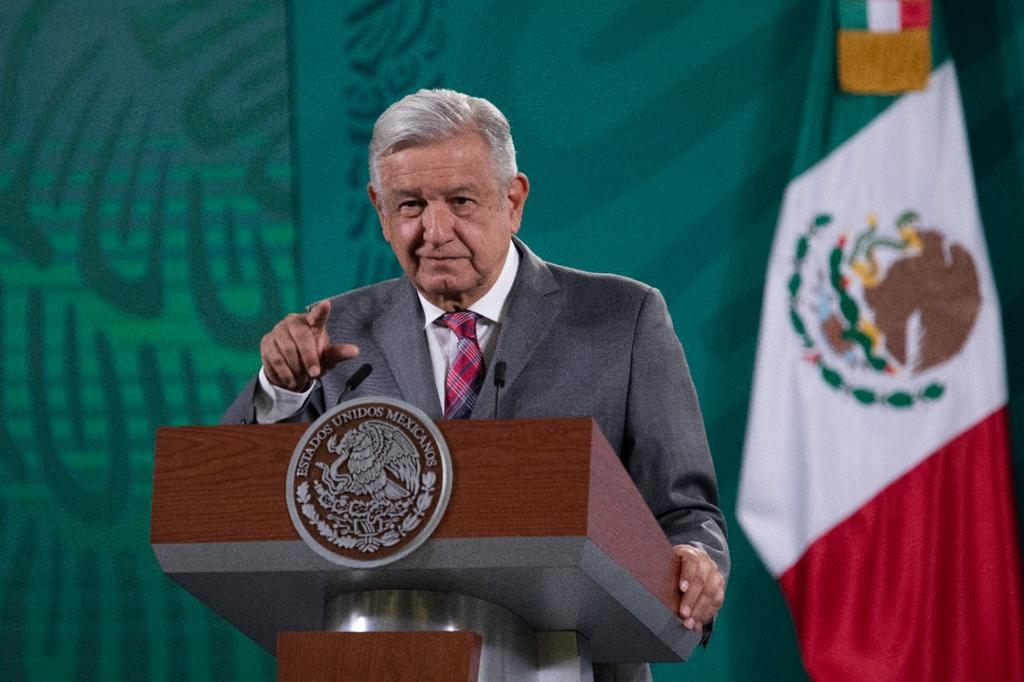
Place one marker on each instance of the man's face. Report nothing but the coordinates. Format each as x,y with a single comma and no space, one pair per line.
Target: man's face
446,217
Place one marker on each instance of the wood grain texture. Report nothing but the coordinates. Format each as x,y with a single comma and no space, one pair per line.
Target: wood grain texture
378,656
517,478
512,478
620,524
222,483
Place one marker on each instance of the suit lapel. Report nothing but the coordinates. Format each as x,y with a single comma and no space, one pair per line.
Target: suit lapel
400,336
533,306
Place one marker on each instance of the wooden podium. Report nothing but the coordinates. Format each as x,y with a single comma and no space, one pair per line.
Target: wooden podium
546,544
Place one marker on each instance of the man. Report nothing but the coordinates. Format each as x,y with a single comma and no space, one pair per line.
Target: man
444,182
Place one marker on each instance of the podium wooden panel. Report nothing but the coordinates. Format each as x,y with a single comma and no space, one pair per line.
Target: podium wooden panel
420,656
543,520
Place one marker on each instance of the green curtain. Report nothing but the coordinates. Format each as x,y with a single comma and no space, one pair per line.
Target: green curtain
175,176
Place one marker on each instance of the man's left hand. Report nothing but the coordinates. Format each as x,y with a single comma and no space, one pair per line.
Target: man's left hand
702,587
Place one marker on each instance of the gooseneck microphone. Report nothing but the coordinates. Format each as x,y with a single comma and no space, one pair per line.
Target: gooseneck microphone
357,378
499,382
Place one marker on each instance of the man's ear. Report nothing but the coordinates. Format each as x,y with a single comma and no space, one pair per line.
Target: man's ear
518,190
375,199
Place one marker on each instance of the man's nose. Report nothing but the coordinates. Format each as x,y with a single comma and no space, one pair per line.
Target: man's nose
438,222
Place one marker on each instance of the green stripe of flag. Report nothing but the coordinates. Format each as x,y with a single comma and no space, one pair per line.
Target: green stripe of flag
852,14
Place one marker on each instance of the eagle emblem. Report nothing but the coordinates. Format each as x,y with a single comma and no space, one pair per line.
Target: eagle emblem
367,480
382,463
879,312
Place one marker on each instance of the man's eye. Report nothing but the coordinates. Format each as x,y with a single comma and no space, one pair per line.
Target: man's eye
410,207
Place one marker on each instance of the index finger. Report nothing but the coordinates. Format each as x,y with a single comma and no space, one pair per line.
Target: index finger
317,313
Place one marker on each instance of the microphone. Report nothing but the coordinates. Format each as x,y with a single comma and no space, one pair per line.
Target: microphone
499,382
357,378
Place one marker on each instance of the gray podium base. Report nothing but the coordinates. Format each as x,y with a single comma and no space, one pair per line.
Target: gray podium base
510,648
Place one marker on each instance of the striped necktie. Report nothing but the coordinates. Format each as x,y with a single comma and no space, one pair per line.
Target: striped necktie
466,375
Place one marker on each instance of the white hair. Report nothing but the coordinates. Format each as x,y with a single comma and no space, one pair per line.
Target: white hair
430,116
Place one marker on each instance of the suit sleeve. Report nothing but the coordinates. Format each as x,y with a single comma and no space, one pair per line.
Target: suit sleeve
666,448
243,409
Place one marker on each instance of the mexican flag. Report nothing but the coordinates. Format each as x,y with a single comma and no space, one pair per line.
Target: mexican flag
876,483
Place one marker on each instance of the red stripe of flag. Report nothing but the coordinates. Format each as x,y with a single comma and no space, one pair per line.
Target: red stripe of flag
924,581
915,13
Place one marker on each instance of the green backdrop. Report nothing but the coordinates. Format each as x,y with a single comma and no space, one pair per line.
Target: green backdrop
176,175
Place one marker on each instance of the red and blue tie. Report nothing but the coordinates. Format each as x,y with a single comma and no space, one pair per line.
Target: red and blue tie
466,375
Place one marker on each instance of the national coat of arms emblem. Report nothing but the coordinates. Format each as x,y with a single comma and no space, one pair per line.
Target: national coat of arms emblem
368,482
877,311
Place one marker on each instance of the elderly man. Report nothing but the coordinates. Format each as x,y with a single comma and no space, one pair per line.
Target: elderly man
444,182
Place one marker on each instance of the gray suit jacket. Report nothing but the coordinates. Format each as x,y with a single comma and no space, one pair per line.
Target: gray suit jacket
575,343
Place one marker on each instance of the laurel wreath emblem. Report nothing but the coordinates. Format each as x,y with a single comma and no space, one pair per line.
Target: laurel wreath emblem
384,531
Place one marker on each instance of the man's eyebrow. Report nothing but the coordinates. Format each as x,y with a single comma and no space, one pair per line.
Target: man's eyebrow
462,189
404,192
400,195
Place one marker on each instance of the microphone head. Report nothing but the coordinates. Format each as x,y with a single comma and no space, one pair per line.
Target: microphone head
499,374
358,376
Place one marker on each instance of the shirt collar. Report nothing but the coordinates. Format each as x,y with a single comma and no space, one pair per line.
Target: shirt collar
492,304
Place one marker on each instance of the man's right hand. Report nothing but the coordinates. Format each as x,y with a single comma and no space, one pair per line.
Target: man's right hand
297,350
